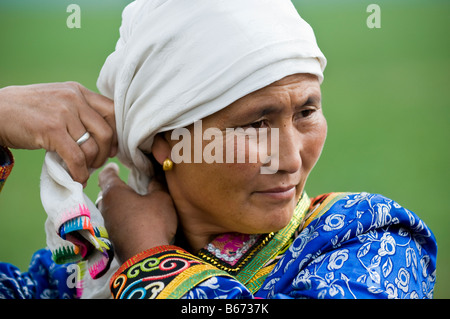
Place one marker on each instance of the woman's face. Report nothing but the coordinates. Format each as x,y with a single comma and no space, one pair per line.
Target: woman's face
214,198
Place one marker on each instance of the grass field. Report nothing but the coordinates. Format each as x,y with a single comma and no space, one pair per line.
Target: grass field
386,98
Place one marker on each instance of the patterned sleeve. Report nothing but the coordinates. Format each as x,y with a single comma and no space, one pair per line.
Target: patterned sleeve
365,246
6,165
43,280
169,272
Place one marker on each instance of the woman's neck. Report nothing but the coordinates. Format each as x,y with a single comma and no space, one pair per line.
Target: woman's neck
194,236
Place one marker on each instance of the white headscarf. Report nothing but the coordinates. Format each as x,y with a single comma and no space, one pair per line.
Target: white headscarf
179,61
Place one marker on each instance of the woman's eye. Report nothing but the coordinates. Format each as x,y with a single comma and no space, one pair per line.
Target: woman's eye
306,113
258,124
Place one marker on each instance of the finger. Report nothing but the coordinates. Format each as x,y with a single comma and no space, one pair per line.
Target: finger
74,158
105,107
100,132
109,177
101,104
82,113
64,129
90,150
113,191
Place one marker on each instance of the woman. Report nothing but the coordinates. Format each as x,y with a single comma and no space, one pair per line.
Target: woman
192,227
247,235
237,233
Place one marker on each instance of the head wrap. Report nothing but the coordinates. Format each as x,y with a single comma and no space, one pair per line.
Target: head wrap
177,62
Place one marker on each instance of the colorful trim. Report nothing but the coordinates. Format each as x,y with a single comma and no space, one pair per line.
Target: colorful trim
76,224
235,266
188,279
6,165
321,204
142,255
256,282
66,254
160,272
84,242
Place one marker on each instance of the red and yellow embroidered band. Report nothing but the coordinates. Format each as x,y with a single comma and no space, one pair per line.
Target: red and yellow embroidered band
160,272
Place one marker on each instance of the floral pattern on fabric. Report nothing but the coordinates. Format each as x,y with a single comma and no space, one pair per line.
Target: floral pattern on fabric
365,246
219,288
43,280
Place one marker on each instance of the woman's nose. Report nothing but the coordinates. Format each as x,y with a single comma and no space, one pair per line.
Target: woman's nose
290,143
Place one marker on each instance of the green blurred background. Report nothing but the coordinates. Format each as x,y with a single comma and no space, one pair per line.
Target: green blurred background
386,98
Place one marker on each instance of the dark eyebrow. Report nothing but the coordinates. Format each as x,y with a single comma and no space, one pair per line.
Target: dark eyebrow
262,110
268,110
313,99
258,113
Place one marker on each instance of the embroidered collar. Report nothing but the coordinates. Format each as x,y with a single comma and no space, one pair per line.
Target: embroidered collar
234,252
231,247
230,252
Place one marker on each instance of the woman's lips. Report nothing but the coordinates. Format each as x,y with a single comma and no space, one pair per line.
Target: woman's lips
279,193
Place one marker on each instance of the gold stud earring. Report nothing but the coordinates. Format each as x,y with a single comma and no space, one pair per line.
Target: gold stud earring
167,164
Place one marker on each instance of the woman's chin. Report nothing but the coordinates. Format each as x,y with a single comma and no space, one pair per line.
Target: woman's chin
269,221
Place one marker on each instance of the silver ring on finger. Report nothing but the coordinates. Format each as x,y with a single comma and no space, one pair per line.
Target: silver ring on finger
98,200
83,138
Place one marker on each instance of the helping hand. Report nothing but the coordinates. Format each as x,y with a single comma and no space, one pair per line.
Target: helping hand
135,223
53,117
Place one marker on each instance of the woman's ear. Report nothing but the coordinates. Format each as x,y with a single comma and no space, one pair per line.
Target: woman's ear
161,149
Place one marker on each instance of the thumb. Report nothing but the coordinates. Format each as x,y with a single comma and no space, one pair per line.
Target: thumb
113,189
109,177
